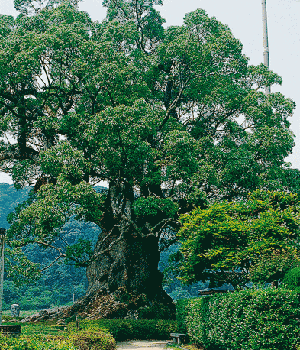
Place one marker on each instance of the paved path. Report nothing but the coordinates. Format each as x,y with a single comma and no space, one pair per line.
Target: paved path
142,344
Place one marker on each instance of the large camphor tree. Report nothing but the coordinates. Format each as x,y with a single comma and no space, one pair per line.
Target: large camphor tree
169,118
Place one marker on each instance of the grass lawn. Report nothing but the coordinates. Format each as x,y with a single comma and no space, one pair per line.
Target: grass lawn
40,328
23,313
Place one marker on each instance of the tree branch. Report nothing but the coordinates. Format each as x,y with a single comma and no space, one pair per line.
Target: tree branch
53,262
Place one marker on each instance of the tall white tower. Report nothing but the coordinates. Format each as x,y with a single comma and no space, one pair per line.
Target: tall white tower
265,39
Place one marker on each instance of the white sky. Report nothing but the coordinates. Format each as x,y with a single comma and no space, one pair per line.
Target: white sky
244,17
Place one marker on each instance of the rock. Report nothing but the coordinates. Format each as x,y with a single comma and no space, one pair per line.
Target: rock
61,322
102,304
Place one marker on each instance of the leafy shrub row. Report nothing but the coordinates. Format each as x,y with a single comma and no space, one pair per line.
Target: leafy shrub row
292,279
94,335
131,329
83,340
93,340
35,343
257,319
181,313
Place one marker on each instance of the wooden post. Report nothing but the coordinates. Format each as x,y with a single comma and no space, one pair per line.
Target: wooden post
266,39
2,243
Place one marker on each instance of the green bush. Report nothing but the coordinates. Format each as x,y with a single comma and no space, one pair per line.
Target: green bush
73,340
292,279
36,343
131,329
93,340
181,313
257,319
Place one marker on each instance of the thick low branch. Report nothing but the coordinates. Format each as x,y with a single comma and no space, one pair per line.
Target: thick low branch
53,262
172,106
48,245
108,248
15,154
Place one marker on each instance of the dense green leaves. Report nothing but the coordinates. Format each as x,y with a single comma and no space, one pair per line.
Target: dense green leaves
129,329
263,319
140,20
152,206
29,7
44,215
292,279
255,240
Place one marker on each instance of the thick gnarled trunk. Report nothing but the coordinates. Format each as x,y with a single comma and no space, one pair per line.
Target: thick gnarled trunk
130,263
125,261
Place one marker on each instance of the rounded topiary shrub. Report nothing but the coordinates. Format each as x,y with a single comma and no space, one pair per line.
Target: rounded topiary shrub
292,279
93,340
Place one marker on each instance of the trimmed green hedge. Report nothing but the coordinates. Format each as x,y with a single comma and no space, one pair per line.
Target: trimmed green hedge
35,343
292,279
131,329
181,313
94,340
261,319
82,340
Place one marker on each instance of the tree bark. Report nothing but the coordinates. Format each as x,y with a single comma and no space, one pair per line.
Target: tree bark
124,269
131,263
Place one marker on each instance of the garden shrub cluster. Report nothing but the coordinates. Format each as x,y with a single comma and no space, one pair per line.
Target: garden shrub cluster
292,279
82,340
93,334
93,340
256,319
36,343
181,313
131,329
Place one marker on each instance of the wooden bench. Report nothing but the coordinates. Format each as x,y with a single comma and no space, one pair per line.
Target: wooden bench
178,337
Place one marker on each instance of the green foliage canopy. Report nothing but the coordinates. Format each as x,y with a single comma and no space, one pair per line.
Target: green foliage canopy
168,117
292,279
255,240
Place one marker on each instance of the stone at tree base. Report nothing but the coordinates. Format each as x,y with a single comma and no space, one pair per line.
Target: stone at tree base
101,304
50,314
121,304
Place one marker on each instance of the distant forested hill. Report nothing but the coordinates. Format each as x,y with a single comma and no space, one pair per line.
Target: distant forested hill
61,281
9,199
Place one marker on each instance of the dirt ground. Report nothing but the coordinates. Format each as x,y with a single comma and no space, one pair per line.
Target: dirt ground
142,344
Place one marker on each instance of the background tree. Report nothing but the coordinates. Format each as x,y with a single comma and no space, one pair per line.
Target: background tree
170,118
238,242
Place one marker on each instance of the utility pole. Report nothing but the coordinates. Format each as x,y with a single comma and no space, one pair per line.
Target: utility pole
2,244
265,39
